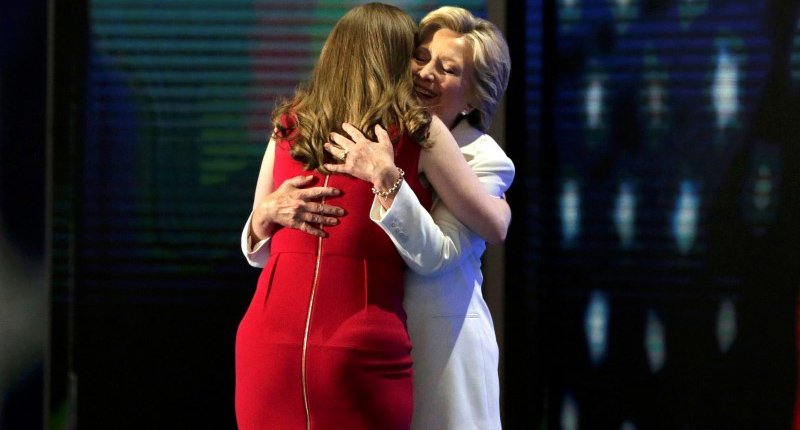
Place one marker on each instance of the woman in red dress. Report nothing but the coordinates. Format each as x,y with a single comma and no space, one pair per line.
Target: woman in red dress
323,344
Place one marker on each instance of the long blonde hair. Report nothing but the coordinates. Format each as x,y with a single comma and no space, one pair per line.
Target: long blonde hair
363,77
490,57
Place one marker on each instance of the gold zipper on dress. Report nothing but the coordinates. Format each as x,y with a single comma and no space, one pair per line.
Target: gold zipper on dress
308,320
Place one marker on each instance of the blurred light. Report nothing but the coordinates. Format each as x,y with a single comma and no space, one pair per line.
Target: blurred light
22,314
569,413
761,196
654,342
594,103
725,91
654,99
655,102
569,13
762,193
625,11
596,326
569,4
685,217
690,9
625,214
726,325
628,425
570,203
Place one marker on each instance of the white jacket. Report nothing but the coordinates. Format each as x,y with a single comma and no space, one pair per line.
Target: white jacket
456,385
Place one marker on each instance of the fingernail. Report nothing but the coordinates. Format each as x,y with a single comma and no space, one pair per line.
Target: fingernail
335,191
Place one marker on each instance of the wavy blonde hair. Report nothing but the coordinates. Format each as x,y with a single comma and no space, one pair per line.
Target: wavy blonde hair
490,57
363,77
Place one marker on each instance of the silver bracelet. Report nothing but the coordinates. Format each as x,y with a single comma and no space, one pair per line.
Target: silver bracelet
391,191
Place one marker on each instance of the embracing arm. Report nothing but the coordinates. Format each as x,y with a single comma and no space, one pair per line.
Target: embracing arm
255,246
459,188
427,245
289,205
434,243
444,167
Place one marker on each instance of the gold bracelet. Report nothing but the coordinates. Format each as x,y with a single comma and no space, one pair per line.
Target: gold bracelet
391,191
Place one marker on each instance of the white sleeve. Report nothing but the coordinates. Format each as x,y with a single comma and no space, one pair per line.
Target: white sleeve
257,253
422,244
494,169
435,243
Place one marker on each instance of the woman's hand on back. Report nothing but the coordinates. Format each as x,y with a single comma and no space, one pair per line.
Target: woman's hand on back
290,205
360,157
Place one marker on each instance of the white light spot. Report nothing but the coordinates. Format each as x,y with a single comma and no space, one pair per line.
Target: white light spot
596,326
594,104
654,342
625,214
685,217
569,4
726,325
569,413
570,204
725,91
762,192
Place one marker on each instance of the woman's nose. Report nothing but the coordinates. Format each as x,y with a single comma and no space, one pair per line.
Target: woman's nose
426,72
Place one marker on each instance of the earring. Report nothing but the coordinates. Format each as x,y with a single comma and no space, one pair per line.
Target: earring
466,111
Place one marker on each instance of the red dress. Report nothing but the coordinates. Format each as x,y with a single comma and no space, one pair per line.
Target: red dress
324,343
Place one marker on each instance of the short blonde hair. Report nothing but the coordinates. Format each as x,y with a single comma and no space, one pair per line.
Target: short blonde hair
492,63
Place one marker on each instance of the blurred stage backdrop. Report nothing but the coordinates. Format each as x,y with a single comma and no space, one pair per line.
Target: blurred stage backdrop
652,268
655,224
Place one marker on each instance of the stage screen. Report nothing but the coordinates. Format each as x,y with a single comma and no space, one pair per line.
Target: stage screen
660,235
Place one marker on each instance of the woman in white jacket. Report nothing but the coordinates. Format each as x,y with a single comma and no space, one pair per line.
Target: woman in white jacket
461,70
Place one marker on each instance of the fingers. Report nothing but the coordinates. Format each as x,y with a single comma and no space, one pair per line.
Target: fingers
340,140
337,168
318,219
336,152
310,229
316,193
354,133
319,208
312,223
299,181
383,136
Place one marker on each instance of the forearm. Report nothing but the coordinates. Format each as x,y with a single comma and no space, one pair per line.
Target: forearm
427,245
472,204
